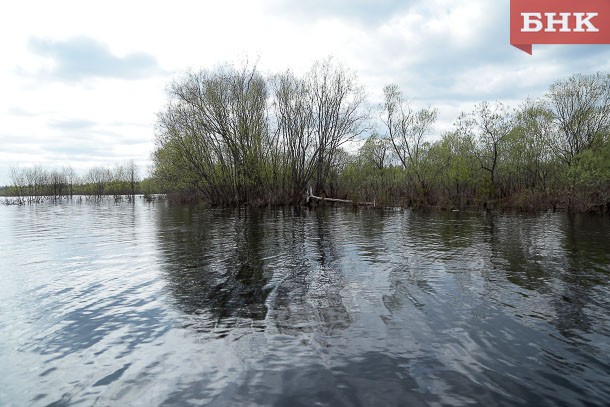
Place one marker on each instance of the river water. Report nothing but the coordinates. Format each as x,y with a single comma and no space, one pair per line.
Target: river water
154,304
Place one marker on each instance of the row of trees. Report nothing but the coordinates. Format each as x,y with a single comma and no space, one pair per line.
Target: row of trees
237,137
549,152
35,184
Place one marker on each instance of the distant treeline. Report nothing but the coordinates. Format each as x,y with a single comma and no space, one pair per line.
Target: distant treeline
234,136
37,184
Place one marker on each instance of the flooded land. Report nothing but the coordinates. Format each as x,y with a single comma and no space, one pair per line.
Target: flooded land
105,303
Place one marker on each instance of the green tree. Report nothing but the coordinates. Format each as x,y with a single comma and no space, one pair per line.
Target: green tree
453,169
590,173
581,108
489,125
217,122
530,160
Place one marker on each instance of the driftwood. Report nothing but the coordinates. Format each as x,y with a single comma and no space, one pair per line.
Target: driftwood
310,196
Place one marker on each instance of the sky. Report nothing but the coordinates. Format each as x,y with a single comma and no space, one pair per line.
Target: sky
81,82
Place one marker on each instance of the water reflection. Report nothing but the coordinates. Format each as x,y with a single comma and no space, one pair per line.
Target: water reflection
239,268
171,305
586,250
308,299
547,254
214,263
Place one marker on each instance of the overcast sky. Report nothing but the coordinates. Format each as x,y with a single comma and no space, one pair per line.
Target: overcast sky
82,81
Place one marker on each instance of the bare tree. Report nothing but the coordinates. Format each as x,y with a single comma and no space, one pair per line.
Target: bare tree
36,178
407,128
99,178
315,116
294,121
19,181
338,114
71,179
132,177
57,183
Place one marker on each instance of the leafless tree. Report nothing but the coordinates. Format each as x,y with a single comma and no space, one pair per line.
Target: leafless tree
407,128
19,181
57,183
99,178
337,102
132,176
294,123
71,179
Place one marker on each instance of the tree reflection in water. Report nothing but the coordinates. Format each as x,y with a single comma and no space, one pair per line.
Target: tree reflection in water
238,268
215,266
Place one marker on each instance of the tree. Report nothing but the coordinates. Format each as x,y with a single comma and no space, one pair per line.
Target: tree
453,168
407,129
315,116
374,151
489,125
295,127
132,176
57,182
337,105
529,154
217,121
98,178
581,106
590,173
71,179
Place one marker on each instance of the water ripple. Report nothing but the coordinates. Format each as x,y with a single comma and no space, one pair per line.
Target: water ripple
153,304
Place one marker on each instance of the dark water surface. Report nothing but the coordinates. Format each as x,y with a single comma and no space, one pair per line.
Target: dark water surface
152,304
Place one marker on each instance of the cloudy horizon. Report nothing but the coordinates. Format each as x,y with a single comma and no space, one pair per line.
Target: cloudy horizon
83,81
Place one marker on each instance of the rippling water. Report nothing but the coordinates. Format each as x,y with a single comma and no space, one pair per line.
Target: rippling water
153,304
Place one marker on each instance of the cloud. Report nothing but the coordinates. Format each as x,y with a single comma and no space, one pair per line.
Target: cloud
442,52
20,112
426,47
362,11
72,124
576,58
81,58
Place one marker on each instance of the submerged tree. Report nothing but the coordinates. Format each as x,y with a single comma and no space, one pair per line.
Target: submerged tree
530,159
315,116
453,169
238,137
217,122
295,127
217,134
336,101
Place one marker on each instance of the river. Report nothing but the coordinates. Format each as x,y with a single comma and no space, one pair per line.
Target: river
151,304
